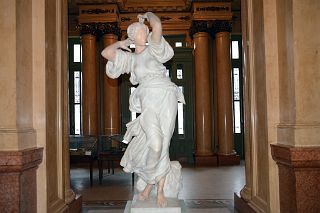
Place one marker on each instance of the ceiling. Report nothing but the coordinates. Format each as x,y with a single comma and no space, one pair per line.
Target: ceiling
128,6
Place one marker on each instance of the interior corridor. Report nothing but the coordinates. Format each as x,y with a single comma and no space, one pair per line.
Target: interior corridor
205,189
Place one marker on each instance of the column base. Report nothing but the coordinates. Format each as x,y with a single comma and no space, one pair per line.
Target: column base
241,205
207,160
228,160
299,172
18,179
76,205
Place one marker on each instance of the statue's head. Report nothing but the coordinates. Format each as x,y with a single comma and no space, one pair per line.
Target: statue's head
138,32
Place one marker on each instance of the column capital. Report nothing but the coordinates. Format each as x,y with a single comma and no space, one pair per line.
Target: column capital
87,28
211,27
110,28
200,26
99,29
221,26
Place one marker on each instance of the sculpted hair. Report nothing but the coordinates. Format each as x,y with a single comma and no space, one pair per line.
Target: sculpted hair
134,27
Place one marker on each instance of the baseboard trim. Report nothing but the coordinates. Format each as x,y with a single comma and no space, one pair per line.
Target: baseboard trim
241,205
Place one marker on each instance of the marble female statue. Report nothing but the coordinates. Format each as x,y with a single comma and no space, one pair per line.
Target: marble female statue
156,98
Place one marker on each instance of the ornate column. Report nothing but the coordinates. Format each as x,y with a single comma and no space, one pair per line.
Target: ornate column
226,153
111,106
89,81
203,116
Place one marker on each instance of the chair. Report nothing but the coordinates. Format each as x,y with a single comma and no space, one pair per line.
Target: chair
110,154
83,149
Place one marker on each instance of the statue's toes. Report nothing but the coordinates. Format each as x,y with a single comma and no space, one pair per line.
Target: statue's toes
162,202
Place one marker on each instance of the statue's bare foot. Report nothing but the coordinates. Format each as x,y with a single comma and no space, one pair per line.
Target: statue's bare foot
145,194
161,200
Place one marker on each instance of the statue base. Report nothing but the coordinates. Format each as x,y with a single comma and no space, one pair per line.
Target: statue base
150,206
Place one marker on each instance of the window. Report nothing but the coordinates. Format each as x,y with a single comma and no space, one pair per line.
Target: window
178,44
236,100
236,78
75,86
77,102
133,114
180,116
77,57
167,72
235,49
179,71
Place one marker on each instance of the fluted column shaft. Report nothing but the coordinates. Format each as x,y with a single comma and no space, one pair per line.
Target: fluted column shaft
89,85
224,94
111,97
203,107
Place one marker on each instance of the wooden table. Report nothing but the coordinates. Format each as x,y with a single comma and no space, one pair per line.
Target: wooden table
110,154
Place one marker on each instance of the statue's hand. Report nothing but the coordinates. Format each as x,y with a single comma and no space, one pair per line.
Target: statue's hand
125,43
142,18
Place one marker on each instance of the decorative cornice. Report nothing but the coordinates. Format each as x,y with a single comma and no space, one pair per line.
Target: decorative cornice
124,19
205,11
172,23
99,29
97,11
136,6
185,18
214,9
164,18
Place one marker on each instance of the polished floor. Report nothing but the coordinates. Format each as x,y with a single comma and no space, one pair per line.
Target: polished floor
204,189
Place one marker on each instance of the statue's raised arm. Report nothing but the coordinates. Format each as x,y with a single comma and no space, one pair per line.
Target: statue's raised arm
155,24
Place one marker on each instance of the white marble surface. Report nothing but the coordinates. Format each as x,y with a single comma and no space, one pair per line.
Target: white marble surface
150,206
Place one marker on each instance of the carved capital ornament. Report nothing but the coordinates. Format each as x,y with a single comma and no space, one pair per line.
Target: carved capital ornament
99,29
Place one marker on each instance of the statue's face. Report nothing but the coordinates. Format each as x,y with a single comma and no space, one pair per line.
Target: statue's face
140,36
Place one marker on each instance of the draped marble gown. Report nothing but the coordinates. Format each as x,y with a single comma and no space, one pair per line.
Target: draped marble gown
156,98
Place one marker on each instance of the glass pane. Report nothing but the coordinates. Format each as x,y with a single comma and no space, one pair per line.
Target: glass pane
77,118
76,53
235,49
180,116
180,119
178,44
133,114
179,71
132,46
167,72
237,124
236,84
77,87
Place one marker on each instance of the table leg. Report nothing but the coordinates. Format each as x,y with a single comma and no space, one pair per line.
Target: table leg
132,179
100,164
91,165
108,167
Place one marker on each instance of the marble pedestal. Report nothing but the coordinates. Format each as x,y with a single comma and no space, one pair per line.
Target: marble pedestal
150,206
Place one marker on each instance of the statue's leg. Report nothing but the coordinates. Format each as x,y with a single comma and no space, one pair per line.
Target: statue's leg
155,140
152,161
161,199
145,193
